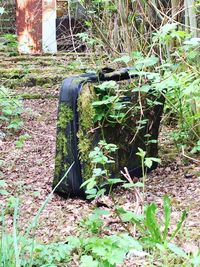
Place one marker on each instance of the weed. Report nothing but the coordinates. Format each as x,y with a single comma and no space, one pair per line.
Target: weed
11,109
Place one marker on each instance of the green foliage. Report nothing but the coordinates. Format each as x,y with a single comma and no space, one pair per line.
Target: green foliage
11,108
152,231
93,223
11,44
182,85
51,254
110,105
101,159
10,205
19,250
171,75
92,246
110,250
89,40
22,138
174,73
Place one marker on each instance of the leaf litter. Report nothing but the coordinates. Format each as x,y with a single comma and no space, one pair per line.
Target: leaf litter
29,174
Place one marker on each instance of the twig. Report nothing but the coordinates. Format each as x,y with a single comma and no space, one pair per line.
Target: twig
188,157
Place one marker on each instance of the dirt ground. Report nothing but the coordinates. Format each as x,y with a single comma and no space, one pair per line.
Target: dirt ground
29,174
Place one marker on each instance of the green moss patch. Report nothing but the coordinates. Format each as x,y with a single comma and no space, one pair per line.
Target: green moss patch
86,125
65,115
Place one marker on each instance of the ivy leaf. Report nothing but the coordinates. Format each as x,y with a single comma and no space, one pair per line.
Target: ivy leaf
105,101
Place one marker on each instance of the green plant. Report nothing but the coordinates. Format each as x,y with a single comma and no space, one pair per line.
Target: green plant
107,250
10,205
109,104
9,254
101,158
11,44
146,162
19,250
11,108
182,85
152,231
21,139
93,223
196,148
52,254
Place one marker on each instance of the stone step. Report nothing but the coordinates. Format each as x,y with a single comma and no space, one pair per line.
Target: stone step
36,92
35,58
34,80
21,71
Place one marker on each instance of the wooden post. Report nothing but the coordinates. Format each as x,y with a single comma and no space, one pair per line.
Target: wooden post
36,26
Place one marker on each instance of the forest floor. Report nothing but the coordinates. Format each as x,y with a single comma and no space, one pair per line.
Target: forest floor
29,174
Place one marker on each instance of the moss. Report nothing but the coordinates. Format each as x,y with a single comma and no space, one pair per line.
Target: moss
86,123
36,96
58,167
61,152
65,115
12,73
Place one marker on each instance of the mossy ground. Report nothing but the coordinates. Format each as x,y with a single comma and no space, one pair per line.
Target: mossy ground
29,174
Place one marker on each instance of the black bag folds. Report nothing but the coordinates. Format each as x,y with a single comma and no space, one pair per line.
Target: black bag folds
107,106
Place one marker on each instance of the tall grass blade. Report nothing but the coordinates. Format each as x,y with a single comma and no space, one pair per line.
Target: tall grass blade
35,219
2,247
6,247
167,215
179,225
15,242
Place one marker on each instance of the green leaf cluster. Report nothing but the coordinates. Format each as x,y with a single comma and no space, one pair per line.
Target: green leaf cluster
11,109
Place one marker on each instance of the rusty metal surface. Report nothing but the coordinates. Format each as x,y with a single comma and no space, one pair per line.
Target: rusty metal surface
29,25
62,8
